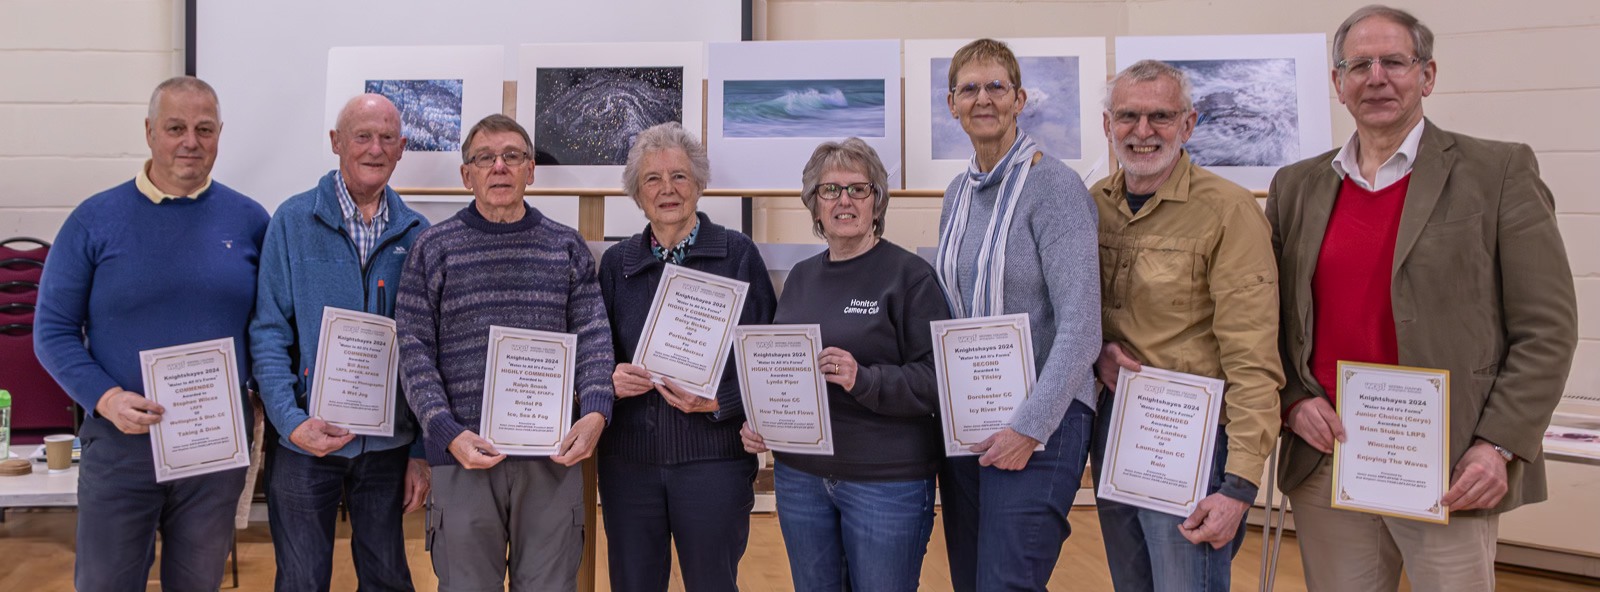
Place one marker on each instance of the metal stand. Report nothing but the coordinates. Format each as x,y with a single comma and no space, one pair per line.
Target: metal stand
1272,530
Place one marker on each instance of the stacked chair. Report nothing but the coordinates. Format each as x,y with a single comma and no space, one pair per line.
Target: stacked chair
39,406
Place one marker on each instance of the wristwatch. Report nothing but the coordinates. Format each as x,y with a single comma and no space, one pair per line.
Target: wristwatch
1505,455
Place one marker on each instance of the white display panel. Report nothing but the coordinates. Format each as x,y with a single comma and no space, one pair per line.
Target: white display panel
770,103
1263,99
268,62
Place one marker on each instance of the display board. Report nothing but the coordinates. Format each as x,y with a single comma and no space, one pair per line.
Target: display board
269,63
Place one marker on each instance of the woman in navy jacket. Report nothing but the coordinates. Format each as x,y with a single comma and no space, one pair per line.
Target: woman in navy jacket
671,464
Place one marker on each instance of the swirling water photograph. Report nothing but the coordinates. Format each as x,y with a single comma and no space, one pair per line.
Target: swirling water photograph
1051,117
590,116
430,111
803,108
1249,111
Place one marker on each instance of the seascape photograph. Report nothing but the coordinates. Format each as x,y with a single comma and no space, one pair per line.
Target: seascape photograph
1051,117
590,116
430,111
1248,108
803,108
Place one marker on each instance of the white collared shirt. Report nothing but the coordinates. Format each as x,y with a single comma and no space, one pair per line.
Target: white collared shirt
1347,162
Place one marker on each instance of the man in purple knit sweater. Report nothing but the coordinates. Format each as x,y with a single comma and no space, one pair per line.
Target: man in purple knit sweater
166,258
500,262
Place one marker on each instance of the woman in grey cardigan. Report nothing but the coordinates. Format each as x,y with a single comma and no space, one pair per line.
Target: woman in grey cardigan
1018,235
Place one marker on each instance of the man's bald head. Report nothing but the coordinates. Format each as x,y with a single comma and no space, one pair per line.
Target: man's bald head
369,102
369,142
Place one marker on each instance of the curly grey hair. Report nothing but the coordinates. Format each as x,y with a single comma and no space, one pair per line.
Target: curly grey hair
665,136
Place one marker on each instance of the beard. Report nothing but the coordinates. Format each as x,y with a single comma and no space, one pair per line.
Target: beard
1141,165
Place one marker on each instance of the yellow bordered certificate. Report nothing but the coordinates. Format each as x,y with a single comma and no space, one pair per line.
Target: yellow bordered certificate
689,327
528,390
984,367
353,385
785,395
202,430
1395,460
1161,440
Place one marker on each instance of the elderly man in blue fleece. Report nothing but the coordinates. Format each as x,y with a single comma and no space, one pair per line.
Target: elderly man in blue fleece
339,244
165,259
500,262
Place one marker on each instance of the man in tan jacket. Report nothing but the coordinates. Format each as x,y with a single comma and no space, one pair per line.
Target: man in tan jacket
1189,284
1418,247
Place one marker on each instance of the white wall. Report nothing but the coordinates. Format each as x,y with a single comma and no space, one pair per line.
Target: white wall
77,78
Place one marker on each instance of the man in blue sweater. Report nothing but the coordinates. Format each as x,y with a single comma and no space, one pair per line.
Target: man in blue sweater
500,262
168,258
341,244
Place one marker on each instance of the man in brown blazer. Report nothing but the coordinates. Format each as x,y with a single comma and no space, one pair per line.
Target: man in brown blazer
1418,247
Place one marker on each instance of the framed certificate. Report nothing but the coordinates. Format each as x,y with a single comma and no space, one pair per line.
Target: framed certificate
1161,440
353,385
528,391
202,430
1395,459
689,328
984,367
785,395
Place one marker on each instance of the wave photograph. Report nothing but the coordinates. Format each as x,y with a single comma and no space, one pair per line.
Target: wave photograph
803,108
430,112
1249,111
590,116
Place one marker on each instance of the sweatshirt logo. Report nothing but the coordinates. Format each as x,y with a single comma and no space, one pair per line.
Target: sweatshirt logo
862,307
227,244
399,250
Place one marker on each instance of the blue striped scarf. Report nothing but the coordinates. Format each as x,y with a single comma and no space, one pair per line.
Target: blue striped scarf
988,293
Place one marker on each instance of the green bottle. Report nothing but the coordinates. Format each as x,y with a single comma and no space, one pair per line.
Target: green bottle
5,424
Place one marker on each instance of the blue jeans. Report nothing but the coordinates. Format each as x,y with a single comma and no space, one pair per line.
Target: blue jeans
1004,529
701,506
873,534
1148,553
121,507
303,494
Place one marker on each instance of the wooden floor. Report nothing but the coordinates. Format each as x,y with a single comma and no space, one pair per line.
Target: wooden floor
37,547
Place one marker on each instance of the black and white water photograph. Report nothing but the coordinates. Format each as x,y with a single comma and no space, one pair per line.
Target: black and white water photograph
590,116
1052,116
430,111
1249,114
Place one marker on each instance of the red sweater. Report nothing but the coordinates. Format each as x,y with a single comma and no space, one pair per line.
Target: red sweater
1350,291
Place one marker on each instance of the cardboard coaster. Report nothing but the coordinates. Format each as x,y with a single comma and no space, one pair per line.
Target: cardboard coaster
15,467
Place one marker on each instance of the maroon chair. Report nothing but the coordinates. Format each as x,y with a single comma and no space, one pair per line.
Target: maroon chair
38,405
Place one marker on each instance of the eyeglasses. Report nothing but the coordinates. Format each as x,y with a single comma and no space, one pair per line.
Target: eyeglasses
995,88
1157,118
857,191
512,158
1393,65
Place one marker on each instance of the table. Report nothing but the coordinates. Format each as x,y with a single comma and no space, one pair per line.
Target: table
41,488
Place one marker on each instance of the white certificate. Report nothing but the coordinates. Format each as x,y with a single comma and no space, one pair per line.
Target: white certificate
353,385
528,391
985,370
1161,440
690,325
1395,459
202,430
785,396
